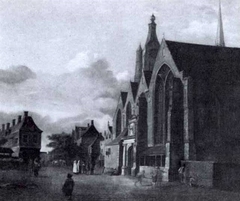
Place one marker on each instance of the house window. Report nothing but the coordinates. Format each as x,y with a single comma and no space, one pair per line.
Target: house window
154,160
25,139
108,152
16,141
35,138
142,161
158,161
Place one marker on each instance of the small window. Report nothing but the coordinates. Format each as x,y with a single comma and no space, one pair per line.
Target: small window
159,161
25,139
142,161
163,160
16,141
148,161
152,160
108,152
35,138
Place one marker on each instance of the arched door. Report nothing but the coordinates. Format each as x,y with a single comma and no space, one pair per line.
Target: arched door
130,159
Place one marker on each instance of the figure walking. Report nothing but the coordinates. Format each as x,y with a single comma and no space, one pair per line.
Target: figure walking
36,166
68,186
154,175
140,177
181,172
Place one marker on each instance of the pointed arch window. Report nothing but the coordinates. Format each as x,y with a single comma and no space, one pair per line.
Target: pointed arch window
118,122
128,113
163,103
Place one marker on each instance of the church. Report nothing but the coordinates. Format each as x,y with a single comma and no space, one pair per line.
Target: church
182,108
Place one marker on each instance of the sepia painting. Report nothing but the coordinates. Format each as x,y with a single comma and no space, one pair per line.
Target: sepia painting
106,100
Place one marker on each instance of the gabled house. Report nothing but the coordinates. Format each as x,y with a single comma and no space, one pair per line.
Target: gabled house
22,137
88,138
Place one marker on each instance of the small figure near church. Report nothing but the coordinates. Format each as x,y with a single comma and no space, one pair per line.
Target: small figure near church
181,172
68,186
75,169
140,177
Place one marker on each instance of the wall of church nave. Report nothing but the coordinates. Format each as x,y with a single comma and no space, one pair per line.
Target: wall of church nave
216,123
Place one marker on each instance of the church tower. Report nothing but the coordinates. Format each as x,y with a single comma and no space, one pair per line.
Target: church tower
138,68
220,35
151,47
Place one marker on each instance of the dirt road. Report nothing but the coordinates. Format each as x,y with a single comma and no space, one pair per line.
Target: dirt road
47,187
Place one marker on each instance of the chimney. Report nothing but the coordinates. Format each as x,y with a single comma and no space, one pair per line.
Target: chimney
25,113
87,125
13,122
92,122
3,127
19,119
8,126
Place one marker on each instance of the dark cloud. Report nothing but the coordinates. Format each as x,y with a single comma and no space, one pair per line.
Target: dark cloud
16,74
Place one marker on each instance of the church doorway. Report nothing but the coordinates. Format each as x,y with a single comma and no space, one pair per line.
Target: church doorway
130,159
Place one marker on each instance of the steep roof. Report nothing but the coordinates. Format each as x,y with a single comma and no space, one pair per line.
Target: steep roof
26,123
156,150
90,136
147,75
110,129
118,138
124,97
134,88
195,59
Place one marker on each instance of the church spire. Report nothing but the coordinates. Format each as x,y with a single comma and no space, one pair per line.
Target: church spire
152,46
220,35
138,67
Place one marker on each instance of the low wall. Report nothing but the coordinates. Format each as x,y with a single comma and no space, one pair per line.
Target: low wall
200,171
148,170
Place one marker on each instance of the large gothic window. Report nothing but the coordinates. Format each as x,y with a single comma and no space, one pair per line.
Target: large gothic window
128,113
163,99
118,123
142,121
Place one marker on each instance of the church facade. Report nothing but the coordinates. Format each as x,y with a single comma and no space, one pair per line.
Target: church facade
182,107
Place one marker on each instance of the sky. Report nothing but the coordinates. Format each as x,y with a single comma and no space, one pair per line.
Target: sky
66,61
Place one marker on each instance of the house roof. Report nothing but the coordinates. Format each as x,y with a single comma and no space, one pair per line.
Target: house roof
156,150
117,140
134,88
221,62
90,136
27,123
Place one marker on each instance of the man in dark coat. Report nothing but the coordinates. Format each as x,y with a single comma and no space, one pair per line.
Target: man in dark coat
68,187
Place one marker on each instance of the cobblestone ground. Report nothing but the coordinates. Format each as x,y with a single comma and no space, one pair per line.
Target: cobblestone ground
110,188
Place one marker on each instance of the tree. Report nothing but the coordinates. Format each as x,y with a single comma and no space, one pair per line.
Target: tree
63,147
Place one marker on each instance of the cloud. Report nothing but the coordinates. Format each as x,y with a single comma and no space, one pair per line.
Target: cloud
124,75
59,102
82,60
16,74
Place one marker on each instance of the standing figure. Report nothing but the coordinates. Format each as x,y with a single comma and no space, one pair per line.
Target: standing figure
181,172
78,166
140,177
68,186
36,166
154,175
75,167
